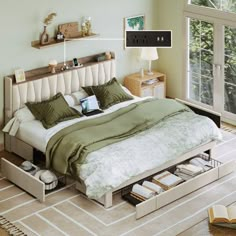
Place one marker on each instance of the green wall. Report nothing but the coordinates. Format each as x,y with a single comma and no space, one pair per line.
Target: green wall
21,23
169,16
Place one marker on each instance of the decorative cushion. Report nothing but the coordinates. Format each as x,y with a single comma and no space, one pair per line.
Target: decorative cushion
108,94
53,111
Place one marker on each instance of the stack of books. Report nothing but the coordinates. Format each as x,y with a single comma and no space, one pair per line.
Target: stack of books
223,216
167,180
188,171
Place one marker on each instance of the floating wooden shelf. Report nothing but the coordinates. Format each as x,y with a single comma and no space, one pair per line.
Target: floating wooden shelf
52,41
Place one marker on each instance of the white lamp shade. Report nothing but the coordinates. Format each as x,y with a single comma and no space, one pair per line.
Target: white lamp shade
149,54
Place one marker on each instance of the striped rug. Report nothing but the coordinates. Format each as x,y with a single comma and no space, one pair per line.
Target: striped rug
67,212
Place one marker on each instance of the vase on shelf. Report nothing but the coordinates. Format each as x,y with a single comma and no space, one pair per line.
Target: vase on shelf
44,38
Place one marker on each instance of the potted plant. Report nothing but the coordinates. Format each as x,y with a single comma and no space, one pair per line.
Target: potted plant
44,38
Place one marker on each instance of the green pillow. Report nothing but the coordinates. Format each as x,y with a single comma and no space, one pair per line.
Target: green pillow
52,111
108,94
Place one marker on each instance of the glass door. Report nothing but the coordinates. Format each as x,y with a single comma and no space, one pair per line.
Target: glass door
200,61
230,72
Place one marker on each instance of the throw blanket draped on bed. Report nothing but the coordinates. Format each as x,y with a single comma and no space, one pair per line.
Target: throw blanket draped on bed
67,149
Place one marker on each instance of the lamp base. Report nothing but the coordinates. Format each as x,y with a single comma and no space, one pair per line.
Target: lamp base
150,73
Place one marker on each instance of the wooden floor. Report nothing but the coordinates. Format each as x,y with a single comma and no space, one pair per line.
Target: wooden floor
68,212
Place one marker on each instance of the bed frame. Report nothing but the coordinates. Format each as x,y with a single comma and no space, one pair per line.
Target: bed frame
41,85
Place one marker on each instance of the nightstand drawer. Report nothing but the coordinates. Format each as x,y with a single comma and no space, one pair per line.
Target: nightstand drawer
159,90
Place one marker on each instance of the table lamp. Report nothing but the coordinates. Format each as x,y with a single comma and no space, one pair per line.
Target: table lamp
149,54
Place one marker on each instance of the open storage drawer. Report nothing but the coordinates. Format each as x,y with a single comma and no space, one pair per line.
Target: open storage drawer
145,207
25,180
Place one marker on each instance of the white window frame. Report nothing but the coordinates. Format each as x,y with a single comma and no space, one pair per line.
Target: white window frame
218,18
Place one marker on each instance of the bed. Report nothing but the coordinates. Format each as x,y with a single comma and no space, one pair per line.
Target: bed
93,177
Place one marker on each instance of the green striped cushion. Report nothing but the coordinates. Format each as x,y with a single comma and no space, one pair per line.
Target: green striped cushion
52,111
108,94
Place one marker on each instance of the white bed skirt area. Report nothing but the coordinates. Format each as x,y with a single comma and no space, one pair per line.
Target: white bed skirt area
107,168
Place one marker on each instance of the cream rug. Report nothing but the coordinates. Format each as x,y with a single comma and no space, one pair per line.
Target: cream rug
67,212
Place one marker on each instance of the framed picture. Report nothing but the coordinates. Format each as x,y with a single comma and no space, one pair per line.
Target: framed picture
135,23
19,75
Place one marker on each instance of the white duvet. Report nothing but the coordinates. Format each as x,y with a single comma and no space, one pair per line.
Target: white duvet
112,165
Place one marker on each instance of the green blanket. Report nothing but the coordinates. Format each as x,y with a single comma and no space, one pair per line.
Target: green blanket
68,148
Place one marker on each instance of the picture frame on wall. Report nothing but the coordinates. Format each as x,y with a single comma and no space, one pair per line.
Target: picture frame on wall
20,75
135,23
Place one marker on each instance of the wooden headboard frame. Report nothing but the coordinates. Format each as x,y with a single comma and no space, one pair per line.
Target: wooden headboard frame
41,85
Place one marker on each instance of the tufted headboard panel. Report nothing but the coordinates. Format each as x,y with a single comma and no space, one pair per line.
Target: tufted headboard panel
16,95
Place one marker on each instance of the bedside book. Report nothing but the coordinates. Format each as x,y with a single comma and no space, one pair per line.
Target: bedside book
223,216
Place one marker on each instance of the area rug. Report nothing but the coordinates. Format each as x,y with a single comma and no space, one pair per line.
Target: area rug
7,228
68,212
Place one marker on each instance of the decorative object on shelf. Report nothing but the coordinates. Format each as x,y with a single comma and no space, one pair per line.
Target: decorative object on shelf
101,58
59,36
108,55
44,38
70,30
135,23
83,29
149,54
19,75
88,26
52,66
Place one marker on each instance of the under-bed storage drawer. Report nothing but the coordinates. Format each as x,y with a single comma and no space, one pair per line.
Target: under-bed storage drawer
183,189
25,180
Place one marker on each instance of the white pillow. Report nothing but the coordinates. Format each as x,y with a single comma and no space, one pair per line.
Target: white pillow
24,114
74,98
79,95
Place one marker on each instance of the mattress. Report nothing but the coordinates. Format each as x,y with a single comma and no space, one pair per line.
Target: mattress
33,132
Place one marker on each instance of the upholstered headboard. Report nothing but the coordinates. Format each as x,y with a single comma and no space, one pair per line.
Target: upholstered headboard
67,82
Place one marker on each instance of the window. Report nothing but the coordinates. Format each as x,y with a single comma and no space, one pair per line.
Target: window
211,55
222,5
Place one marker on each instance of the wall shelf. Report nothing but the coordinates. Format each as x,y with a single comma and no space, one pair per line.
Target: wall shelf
53,42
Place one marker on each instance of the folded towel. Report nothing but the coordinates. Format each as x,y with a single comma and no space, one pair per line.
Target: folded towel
190,169
197,161
154,187
142,191
183,175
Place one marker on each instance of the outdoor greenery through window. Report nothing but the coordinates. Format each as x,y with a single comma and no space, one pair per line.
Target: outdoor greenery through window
222,5
201,61
211,83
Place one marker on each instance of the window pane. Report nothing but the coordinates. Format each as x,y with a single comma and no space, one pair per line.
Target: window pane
230,69
200,72
222,5
230,98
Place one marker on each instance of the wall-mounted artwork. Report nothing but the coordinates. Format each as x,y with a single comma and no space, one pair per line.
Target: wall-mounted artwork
135,23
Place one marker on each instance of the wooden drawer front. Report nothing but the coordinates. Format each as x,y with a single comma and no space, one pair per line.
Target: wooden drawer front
146,207
186,188
227,168
23,179
183,189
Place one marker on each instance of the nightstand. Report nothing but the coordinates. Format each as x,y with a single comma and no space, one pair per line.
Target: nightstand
148,85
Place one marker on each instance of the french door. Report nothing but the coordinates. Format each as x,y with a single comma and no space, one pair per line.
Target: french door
211,64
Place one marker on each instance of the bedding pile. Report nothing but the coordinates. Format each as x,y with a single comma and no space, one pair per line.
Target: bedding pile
106,151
